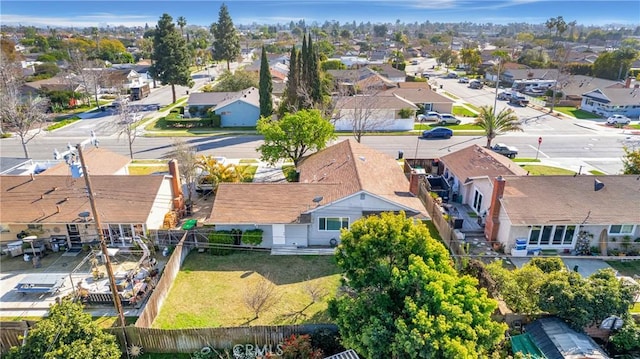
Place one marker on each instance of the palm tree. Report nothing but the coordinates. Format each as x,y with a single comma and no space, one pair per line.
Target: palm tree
215,172
494,125
182,22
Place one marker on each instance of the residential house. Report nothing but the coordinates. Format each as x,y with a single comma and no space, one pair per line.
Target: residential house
470,173
119,80
375,112
365,80
57,83
389,72
552,212
337,186
551,338
421,94
58,207
236,109
613,101
575,86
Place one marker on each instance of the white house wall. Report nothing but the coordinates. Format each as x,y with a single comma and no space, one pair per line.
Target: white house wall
352,208
378,120
296,235
162,204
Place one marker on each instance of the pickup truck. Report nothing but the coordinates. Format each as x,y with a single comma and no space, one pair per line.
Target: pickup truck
505,150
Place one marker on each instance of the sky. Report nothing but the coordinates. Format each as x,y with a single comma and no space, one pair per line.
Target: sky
88,13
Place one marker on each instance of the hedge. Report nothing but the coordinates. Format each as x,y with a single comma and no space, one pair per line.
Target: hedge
221,237
252,237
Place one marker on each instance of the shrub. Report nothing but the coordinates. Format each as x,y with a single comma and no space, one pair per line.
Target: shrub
223,238
253,237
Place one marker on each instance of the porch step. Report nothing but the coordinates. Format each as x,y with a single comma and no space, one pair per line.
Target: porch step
473,234
295,251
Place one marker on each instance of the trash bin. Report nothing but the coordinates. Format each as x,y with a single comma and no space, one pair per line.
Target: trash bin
575,268
440,87
400,155
55,247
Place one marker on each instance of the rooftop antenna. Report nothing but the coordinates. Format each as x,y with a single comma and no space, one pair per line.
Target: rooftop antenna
317,199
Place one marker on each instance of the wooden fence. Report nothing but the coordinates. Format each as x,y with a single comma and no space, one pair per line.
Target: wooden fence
171,269
446,231
191,340
11,333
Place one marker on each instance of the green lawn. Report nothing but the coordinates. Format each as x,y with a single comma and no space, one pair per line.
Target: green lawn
597,173
574,112
143,170
462,111
635,308
525,160
461,127
209,290
538,170
627,268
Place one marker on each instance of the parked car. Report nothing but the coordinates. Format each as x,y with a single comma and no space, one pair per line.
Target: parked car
448,119
618,120
475,84
437,132
452,75
463,80
429,116
414,62
504,96
519,100
505,150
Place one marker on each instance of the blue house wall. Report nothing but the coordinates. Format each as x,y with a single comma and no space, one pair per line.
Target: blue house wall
238,114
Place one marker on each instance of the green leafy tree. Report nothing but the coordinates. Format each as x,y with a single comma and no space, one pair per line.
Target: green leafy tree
266,86
68,332
494,125
404,299
631,161
292,136
226,43
627,339
170,55
236,81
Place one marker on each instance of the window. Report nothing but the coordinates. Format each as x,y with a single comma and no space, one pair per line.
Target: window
552,235
333,223
621,229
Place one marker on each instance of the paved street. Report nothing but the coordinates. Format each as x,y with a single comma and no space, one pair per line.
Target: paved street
570,143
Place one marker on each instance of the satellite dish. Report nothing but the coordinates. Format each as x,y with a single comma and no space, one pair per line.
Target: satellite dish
317,199
84,214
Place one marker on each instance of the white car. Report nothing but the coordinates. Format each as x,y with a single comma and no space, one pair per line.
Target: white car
449,119
429,116
618,120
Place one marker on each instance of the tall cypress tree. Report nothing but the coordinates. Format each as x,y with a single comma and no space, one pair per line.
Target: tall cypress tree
304,61
291,92
170,55
226,43
266,86
314,86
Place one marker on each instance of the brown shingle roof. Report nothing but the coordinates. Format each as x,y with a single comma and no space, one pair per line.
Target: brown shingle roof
263,203
99,162
476,161
120,199
572,200
357,167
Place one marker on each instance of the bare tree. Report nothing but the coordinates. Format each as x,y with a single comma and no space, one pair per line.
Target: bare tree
127,118
188,165
261,296
359,106
23,114
89,74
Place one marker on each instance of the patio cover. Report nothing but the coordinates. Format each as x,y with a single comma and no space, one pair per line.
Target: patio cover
525,345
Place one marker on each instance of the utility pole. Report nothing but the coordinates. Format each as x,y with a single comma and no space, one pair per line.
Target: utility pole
103,245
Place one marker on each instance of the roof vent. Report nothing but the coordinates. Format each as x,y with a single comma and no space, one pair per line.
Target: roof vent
597,185
318,199
363,159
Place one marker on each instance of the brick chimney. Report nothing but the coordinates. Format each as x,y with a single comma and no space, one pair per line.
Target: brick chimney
414,180
176,187
627,83
493,222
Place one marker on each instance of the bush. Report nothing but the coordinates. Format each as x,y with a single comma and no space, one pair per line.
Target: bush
252,237
327,340
223,238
